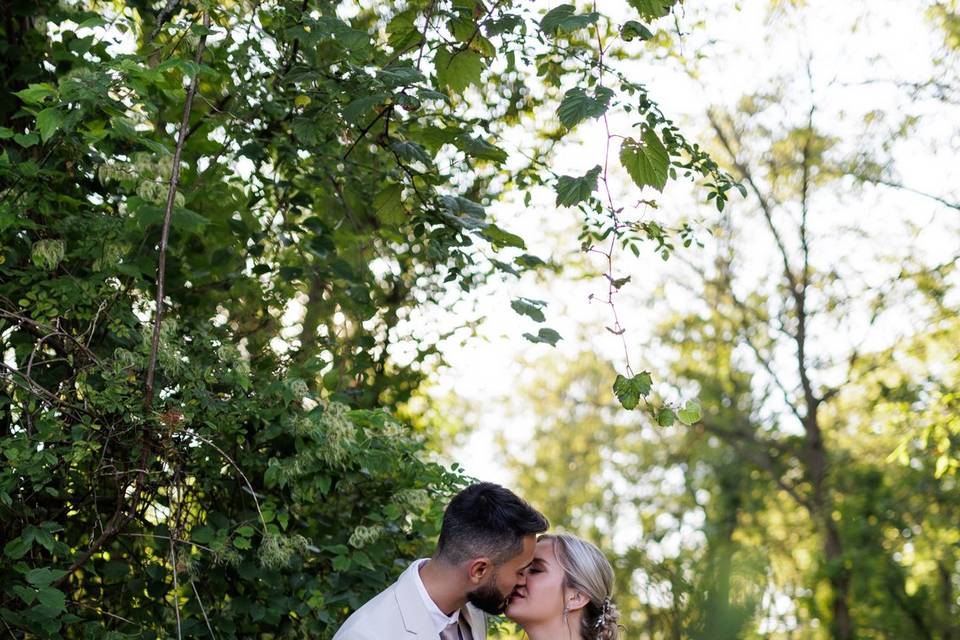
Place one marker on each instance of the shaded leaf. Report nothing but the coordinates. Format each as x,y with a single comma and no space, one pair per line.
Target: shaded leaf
48,121
457,70
651,9
577,106
544,336
388,205
530,308
571,190
633,29
564,19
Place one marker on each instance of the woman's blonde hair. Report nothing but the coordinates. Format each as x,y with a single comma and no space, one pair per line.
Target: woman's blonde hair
588,571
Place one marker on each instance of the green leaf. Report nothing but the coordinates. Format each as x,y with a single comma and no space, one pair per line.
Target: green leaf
36,93
666,417
357,110
571,190
530,308
481,149
115,570
630,390
388,205
400,75
577,106
647,161
18,547
544,336
48,121
690,413
43,576
412,152
181,219
632,29
464,212
564,19
651,9
457,70
52,599
402,32
501,238
26,140
6,132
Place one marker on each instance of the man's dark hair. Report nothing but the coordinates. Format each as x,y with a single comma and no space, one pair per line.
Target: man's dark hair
486,519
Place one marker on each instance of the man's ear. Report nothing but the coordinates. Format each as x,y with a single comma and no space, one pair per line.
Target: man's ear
478,569
576,600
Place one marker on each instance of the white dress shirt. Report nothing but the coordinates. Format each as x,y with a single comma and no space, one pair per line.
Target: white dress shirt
439,619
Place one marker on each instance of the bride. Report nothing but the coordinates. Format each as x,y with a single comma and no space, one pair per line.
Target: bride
567,595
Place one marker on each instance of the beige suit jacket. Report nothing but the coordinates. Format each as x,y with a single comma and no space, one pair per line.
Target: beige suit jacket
398,613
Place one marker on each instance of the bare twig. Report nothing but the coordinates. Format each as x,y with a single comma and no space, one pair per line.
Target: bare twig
223,453
202,610
168,216
176,587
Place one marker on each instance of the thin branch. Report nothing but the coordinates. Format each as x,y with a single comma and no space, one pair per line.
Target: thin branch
165,14
367,128
202,610
902,187
116,523
176,587
168,216
239,471
765,206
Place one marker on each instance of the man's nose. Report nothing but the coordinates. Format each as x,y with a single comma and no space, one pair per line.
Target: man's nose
522,579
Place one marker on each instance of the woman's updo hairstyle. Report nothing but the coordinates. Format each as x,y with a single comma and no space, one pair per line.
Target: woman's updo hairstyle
588,571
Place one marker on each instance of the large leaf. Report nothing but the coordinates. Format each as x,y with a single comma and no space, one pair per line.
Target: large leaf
647,161
544,336
388,205
577,106
502,238
630,390
571,190
530,308
36,93
564,19
480,149
651,9
632,29
457,70
48,121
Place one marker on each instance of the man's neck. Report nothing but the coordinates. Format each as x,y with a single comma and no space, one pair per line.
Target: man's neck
443,585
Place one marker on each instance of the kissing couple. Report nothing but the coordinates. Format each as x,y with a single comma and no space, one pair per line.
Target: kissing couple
493,557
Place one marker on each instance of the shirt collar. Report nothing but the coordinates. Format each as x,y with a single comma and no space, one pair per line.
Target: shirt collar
438,618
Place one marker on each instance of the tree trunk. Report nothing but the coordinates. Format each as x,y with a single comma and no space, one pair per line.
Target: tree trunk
841,623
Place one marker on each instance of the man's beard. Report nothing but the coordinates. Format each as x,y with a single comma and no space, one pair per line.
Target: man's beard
488,598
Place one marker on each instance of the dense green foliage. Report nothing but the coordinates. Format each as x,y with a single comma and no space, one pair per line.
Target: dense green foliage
217,220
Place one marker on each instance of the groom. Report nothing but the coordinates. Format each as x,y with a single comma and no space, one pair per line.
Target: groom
486,542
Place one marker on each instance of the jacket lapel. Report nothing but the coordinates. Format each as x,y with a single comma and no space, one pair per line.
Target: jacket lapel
477,620
416,620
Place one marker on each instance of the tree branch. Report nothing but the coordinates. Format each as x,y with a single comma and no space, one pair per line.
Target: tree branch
168,216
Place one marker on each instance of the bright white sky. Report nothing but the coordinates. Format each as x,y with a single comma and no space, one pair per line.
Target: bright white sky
848,42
